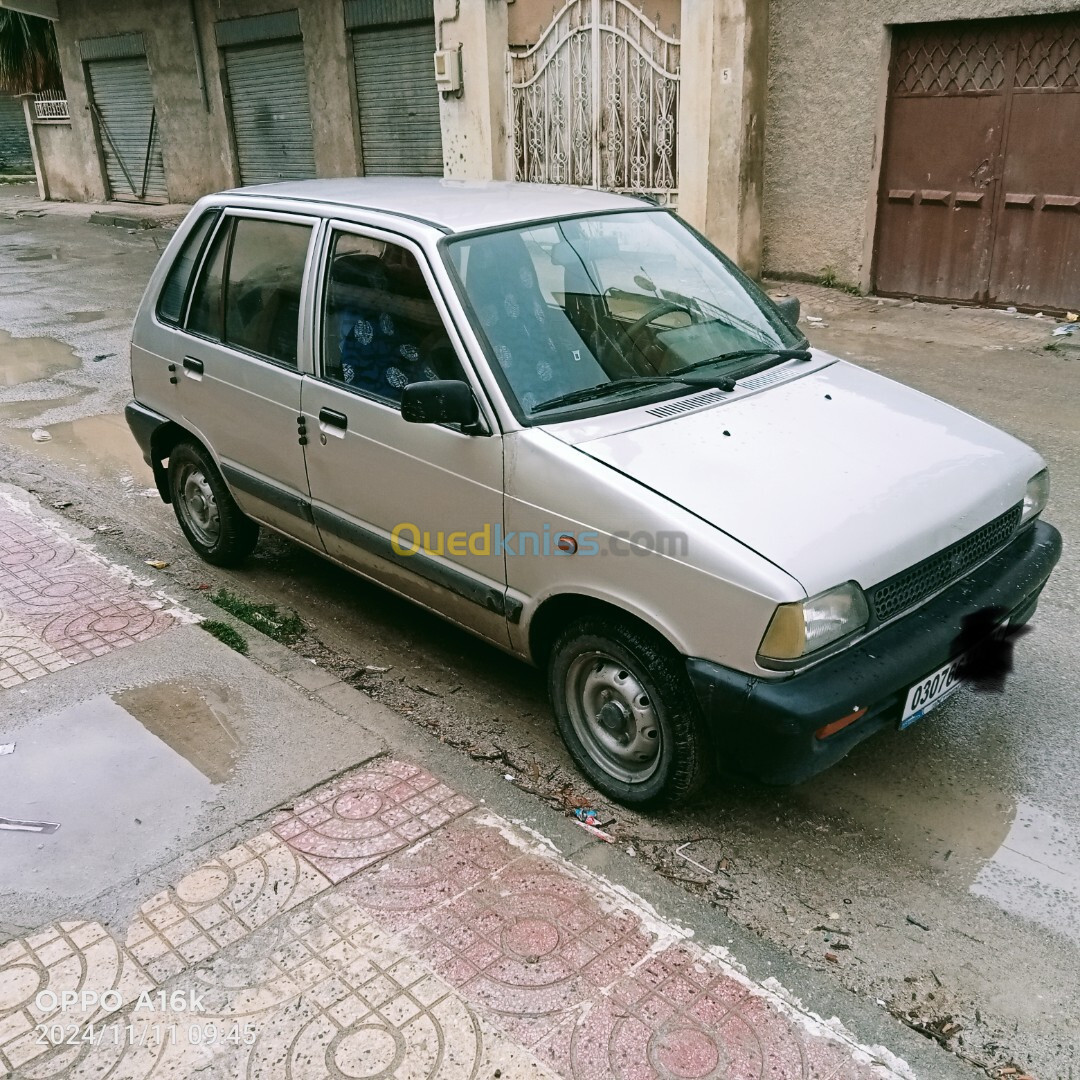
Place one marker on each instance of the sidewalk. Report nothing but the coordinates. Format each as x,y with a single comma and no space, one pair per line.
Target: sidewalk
21,200
256,874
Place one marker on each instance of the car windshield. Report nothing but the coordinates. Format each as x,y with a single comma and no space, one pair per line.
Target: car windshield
571,308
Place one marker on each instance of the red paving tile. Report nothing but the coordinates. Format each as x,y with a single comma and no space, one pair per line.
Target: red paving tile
360,819
58,606
560,971
528,944
407,886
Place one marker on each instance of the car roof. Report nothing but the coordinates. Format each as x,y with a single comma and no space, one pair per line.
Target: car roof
449,205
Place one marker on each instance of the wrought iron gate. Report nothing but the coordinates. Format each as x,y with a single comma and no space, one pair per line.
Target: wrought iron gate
595,102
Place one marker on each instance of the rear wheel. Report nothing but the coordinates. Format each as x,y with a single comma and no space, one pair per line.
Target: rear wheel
627,713
214,525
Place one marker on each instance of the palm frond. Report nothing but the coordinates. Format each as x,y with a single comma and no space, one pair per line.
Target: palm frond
29,60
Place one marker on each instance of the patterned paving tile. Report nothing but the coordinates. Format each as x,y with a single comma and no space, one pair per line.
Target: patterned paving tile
411,884
363,817
219,903
680,1014
529,944
78,957
58,606
321,993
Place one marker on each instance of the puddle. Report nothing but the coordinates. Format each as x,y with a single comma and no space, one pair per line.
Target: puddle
27,359
122,796
37,255
1035,874
26,410
101,445
87,316
193,720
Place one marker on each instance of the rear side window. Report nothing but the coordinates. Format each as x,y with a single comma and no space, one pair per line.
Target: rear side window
262,292
248,294
175,291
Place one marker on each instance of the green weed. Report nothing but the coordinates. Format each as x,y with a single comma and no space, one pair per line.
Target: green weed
269,619
225,633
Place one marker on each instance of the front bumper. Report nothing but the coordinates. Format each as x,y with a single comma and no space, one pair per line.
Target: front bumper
765,727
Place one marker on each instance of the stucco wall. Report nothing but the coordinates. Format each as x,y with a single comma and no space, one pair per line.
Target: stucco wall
828,64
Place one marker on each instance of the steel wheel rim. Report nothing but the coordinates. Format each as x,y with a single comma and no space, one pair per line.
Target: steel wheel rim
199,506
614,717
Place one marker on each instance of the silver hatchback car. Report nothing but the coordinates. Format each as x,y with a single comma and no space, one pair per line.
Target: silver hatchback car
564,421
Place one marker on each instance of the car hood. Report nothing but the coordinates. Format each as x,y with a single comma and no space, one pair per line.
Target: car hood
838,475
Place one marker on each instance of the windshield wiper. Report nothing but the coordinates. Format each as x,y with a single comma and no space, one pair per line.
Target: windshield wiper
779,354
603,389
720,382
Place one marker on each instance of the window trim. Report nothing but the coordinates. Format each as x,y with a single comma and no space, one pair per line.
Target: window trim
303,338
321,282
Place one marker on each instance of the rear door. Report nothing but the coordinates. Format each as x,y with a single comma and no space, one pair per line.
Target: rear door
240,359
417,507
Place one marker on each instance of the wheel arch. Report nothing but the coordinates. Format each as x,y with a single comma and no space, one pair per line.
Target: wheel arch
558,611
162,441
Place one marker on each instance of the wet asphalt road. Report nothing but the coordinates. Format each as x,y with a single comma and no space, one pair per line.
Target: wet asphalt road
936,870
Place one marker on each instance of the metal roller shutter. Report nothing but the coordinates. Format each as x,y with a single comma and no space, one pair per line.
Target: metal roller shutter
15,155
270,112
127,128
399,105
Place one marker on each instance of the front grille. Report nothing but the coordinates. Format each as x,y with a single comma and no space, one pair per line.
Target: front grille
909,587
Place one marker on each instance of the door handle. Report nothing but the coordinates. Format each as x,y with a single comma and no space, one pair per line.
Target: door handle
333,418
193,365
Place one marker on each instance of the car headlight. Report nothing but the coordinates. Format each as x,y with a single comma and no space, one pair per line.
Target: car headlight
1038,491
803,627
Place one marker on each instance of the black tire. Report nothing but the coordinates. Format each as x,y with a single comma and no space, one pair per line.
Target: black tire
208,515
617,688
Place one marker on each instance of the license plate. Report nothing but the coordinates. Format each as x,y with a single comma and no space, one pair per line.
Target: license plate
934,689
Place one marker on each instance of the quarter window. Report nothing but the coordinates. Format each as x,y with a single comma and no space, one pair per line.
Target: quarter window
175,289
381,327
249,293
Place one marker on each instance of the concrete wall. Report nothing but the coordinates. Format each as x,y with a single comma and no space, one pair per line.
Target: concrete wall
828,65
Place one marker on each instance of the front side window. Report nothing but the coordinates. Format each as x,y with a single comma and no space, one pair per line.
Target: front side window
619,302
381,328
248,295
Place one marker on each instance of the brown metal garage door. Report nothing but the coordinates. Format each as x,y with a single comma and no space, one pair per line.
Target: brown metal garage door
980,193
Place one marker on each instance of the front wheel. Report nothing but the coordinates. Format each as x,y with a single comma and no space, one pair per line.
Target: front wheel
212,522
627,713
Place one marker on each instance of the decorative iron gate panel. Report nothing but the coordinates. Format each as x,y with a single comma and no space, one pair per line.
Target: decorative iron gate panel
980,192
595,102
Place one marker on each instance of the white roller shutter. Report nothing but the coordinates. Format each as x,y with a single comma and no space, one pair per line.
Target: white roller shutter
270,112
399,104
127,128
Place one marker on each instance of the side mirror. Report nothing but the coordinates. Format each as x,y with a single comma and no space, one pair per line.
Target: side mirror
790,308
440,401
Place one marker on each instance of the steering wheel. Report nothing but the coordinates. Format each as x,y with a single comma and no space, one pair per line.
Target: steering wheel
628,334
